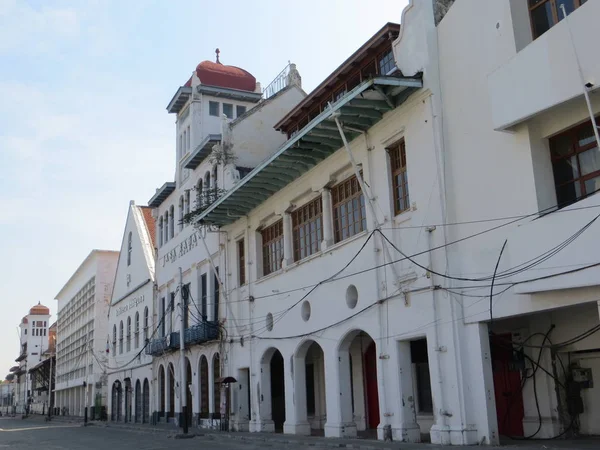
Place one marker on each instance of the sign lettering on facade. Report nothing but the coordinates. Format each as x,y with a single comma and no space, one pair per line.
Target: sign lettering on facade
186,245
130,305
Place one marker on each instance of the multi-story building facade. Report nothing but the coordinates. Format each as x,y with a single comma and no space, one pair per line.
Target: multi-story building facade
436,287
130,326
82,328
34,342
514,94
323,304
224,129
42,373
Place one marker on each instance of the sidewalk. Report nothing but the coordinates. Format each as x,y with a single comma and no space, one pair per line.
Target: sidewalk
285,440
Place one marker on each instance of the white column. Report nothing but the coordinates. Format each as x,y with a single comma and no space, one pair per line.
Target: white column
296,421
327,219
264,420
288,253
401,395
211,386
338,394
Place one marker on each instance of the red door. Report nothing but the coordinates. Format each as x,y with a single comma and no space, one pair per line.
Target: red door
371,392
507,388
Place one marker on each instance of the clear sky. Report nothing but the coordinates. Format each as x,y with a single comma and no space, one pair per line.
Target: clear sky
83,125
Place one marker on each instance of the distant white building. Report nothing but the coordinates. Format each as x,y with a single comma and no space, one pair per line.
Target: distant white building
34,343
224,129
82,328
131,321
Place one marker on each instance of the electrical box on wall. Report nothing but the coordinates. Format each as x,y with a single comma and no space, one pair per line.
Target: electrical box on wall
583,376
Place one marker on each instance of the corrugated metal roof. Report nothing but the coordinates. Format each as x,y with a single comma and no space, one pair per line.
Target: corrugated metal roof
359,110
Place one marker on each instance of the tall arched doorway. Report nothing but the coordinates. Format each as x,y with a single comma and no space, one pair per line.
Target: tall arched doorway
138,401
146,402
161,388
358,370
203,387
115,411
171,376
309,383
272,390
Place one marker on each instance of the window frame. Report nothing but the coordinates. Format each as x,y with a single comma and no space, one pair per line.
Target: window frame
351,183
272,247
575,151
129,249
211,104
241,259
399,166
303,217
237,110
556,13
228,105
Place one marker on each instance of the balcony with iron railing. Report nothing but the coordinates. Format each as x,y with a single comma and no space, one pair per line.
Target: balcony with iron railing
196,334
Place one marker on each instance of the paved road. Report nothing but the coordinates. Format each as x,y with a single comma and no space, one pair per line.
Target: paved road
19,434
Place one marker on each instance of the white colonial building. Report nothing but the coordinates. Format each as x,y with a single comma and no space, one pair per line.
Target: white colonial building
34,343
82,327
368,250
514,93
130,321
224,127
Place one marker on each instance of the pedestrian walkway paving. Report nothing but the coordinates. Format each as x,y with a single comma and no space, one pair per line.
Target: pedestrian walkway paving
292,441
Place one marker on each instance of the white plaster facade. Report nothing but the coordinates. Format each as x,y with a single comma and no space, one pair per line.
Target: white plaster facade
130,322
82,328
501,101
34,342
248,138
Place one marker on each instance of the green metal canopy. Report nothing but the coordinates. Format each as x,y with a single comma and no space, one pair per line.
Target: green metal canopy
359,110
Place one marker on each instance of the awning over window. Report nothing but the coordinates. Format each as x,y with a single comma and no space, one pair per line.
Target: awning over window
161,194
360,109
202,151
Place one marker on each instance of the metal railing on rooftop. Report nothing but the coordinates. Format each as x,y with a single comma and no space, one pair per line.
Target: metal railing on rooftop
279,83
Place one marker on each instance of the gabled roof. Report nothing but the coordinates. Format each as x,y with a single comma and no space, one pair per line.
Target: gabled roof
150,223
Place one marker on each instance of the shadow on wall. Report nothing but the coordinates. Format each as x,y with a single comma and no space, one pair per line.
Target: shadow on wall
440,8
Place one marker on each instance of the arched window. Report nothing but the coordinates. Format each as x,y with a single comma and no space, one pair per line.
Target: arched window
172,224
121,338
181,213
146,324
137,330
187,201
129,248
160,232
129,334
199,194
114,340
207,188
166,226
215,179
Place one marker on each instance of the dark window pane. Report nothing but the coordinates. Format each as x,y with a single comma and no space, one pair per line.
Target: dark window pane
567,194
542,19
213,108
228,110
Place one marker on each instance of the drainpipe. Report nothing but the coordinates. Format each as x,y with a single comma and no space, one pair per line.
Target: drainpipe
586,86
436,338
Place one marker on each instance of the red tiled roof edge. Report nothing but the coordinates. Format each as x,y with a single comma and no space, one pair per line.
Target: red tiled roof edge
150,223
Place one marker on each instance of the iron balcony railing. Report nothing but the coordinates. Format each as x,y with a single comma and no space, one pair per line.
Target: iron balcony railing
196,334
278,83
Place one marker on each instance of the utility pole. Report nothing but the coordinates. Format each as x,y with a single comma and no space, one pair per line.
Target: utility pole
50,390
183,381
